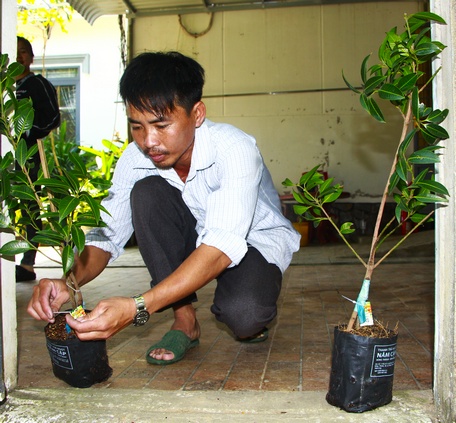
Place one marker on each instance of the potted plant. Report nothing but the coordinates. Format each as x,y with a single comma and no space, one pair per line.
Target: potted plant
60,200
364,351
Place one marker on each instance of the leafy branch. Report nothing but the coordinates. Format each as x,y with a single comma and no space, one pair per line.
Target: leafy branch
398,78
59,198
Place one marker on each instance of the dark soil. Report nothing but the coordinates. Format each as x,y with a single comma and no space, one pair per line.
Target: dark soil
57,331
377,330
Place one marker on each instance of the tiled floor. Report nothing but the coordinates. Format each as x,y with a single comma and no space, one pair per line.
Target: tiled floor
296,357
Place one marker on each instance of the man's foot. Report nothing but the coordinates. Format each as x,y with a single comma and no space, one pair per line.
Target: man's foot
184,322
23,274
176,344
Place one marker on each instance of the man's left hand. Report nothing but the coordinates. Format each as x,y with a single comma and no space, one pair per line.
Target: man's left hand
106,319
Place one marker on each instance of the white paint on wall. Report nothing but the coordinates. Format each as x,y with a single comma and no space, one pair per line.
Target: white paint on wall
297,54
102,113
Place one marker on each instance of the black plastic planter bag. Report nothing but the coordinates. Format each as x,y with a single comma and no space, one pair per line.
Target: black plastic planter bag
79,363
362,371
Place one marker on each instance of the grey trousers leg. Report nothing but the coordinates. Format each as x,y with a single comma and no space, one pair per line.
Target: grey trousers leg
164,229
246,295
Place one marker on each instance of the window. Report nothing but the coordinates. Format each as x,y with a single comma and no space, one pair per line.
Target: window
66,82
64,72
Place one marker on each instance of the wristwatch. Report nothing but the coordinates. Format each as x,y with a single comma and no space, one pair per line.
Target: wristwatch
142,315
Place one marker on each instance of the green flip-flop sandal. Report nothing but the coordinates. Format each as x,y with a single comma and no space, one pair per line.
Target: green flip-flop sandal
175,341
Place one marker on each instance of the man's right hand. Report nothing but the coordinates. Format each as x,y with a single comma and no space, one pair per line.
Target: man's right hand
48,296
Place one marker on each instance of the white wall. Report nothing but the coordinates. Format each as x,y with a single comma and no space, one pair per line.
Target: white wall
102,114
445,290
7,269
292,49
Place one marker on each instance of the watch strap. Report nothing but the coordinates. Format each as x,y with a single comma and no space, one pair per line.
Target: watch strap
140,303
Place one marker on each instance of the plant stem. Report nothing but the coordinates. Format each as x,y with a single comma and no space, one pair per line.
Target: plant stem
341,235
74,291
404,238
375,237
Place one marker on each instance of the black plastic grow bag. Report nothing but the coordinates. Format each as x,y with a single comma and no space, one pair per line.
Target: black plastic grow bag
79,363
362,371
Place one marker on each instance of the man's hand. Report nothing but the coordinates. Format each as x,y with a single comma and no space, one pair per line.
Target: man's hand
106,319
48,296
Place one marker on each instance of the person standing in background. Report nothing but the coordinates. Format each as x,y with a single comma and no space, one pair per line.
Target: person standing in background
46,118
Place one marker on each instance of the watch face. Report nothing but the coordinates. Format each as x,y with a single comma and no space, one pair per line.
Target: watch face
141,318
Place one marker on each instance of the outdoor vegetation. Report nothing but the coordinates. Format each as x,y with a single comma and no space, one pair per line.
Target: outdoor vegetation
400,77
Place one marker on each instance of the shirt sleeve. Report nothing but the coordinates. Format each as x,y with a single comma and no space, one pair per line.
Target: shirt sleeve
119,227
231,207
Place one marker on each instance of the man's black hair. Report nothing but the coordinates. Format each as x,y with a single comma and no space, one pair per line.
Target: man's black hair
157,82
28,46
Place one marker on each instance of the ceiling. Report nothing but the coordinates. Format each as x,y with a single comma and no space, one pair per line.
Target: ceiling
93,9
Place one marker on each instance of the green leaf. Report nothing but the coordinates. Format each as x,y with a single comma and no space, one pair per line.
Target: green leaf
364,69
424,111
371,107
45,240
372,84
7,160
407,82
21,152
431,199
78,165
94,206
393,182
406,143
419,218
428,16
303,198
330,198
4,221
349,85
72,181
300,210
56,185
437,116
433,186
325,186
66,206
101,183
424,156
347,228
23,192
437,131
426,49
15,69
287,183
390,92
67,259
398,213
78,237
88,221
306,176
12,248
401,169
415,103
23,117
428,137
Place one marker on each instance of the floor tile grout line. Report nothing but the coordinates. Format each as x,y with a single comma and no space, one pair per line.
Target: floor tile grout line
416,339
228,373
200,362
283,294
409,371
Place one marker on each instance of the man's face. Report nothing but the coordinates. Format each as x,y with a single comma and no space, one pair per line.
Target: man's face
167,140
24,56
